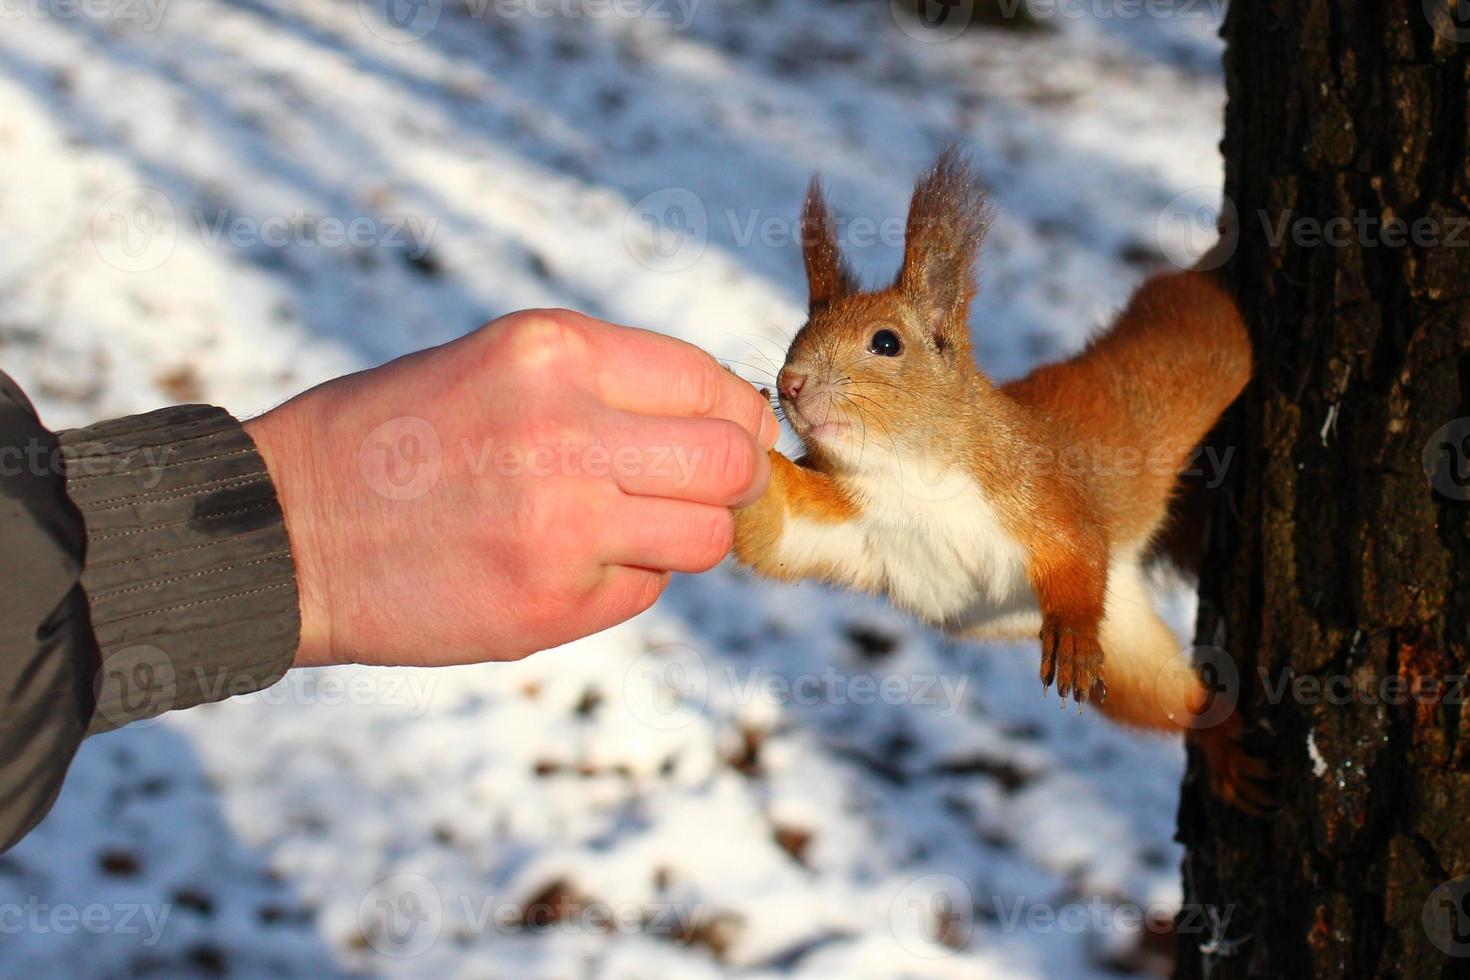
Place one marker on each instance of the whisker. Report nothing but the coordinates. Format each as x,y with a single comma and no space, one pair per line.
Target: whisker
763,375
759,353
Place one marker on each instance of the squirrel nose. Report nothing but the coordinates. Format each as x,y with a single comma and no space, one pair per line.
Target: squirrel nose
790,383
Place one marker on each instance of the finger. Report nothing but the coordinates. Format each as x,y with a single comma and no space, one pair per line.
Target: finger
623,594
708,461
649,373
668,535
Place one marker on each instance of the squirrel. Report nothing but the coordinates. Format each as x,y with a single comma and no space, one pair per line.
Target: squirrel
1003,511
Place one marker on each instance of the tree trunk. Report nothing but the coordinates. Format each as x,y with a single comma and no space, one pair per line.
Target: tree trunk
1339,557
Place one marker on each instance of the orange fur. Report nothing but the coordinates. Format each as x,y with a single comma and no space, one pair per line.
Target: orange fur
923,479
794,491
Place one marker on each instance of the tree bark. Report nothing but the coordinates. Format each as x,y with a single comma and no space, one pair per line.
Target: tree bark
1339,559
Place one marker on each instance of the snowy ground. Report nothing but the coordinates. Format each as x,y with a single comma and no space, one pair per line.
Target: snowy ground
747,781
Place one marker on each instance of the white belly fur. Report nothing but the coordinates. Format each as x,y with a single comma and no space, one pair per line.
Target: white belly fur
938,550
935,546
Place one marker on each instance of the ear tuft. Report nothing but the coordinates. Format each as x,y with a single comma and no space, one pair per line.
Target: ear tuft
827,276
948,218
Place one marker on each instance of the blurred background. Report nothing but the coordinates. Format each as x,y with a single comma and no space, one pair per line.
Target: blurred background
231,201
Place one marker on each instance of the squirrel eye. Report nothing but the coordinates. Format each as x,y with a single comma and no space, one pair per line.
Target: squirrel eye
885,343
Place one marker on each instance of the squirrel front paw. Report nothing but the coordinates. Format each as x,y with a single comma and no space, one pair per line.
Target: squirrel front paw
1072,657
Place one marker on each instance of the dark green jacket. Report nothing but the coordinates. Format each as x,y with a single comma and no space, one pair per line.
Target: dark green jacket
145,567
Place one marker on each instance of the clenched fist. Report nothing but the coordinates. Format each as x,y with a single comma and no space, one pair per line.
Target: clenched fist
531,483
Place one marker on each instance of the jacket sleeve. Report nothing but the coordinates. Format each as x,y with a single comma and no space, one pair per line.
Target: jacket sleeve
154,573
48,655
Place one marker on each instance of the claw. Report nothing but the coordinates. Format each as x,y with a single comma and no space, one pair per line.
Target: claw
1072,659
1240,778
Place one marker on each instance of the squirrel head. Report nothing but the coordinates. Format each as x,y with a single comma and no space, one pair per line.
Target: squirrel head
874,375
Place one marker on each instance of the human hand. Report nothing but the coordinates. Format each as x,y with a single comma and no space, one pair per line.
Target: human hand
518,488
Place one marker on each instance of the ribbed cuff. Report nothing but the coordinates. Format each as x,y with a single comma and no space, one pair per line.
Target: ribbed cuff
189,572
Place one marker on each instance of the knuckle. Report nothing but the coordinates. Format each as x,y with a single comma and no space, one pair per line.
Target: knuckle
704,388
648,592
715,539
730,458
544,340
636,593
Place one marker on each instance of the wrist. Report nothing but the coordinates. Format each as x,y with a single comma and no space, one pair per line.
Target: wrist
283,440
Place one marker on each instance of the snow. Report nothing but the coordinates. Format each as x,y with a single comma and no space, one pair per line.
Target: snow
231,201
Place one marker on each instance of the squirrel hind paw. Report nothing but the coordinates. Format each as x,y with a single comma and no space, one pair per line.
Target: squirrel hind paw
1239,777
1073,660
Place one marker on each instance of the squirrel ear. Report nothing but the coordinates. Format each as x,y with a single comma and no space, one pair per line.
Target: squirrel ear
948,218
827,275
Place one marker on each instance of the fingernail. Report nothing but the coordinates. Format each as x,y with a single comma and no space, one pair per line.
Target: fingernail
770,429
757,483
